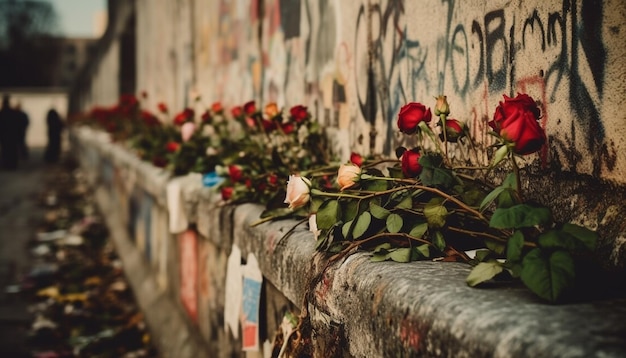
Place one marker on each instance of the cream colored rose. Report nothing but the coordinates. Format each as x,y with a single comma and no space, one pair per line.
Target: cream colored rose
348,175
298,191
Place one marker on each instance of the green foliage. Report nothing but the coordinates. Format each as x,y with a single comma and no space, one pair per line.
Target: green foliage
548,273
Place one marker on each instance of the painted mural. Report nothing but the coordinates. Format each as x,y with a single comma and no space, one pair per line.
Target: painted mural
355,63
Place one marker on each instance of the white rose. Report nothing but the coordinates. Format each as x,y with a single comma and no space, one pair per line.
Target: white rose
298,191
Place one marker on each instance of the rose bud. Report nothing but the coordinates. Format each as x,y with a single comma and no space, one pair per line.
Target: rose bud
411,115
516,121
272,179
236,111
442,106
162,107
356,159
184,116
249,108
206,117
348,175
187,130
217,108
298,191
235,173
271,110
299,113
172,146
455,130
410,163
227,193
268,126
288,128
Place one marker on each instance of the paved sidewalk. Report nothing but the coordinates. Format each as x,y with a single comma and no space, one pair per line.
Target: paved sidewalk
20,215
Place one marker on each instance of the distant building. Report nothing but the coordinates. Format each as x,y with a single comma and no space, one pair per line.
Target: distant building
73,54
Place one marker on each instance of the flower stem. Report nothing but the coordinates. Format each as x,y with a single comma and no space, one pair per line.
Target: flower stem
517,176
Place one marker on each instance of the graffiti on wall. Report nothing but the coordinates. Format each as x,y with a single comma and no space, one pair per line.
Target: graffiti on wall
356,63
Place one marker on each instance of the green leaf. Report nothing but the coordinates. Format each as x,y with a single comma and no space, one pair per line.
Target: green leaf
500,154
588,237
402,254
483,255
349,210
435,214
378,211
362,224
490,197
439,241
394,223
327,214
514,246
423,250
378,257
482,272
395,172
375,185
510,182
548,274
384,247
495,246
406,203
507,198
345,229
419,230
518,216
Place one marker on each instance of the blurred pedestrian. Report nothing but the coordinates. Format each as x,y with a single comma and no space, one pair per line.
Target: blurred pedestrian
55,127
23,123
9,131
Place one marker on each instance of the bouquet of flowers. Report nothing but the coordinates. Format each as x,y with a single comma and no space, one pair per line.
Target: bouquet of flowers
426,205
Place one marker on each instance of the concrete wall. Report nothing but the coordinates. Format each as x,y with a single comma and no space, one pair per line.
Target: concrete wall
357,62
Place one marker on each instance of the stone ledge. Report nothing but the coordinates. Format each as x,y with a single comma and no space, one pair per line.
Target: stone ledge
391,309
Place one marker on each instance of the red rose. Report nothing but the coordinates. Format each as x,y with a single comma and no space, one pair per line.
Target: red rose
454,130
235,173
217,107
299,113
227,192
411,115
249,108
268,126
172,146
237,111
410,163
272,179
149,118
356,159
184,116
288,128
206,117
162,107
516,120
